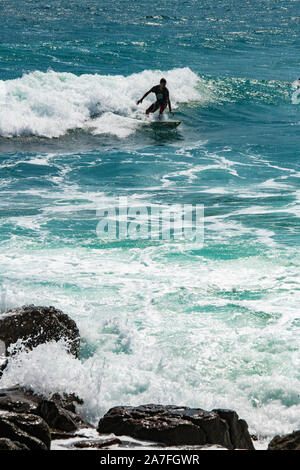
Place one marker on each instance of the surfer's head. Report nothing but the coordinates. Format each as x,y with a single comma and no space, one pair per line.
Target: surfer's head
163,82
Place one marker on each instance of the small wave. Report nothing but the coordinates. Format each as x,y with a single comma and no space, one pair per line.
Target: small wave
50,104
242,90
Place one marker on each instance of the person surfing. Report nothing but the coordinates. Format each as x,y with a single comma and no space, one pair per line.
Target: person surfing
162,99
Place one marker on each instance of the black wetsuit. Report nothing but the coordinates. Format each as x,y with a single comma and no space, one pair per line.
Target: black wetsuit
162,98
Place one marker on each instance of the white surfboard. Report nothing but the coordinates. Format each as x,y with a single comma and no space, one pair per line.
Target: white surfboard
164,124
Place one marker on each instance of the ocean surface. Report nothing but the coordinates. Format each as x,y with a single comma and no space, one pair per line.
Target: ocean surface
161,322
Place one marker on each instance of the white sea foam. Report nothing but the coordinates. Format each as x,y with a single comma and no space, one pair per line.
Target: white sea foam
50,104
295,84
148,323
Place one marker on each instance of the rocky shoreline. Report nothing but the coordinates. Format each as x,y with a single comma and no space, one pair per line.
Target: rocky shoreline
32,422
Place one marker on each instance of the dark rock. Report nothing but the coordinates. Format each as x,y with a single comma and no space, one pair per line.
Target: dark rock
7,444
27,429
173,425
37,325
3,364
238,429
60,413
99,444
57,435
67,401
57,417
287,442
18,400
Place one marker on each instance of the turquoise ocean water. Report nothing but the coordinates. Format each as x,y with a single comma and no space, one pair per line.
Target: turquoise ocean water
161,322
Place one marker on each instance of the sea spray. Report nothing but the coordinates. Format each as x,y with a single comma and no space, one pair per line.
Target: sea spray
49,104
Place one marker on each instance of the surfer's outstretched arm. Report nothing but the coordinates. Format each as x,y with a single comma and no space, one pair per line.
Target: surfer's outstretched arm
170,107
146,94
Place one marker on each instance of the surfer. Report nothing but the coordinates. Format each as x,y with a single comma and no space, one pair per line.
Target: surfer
162,99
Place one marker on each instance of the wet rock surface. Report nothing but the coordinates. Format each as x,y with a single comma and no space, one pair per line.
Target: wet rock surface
29,430
7,444
27,419
177,426
99,444
62,435
3,364
59,412
58,417
286,442
238,429
36,325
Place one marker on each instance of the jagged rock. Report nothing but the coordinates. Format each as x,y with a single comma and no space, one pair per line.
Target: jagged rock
37,325
99,444
238,429
57,417
27,429
18,400
67,401
57,435
7,444
56,411
287,442
3,364
174,425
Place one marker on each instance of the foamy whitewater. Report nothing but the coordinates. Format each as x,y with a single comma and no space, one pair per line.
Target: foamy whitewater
160,322
49,104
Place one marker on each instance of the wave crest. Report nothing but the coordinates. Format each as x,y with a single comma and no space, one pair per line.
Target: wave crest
49,104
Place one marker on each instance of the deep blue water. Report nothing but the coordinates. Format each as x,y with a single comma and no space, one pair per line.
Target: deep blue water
211,326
